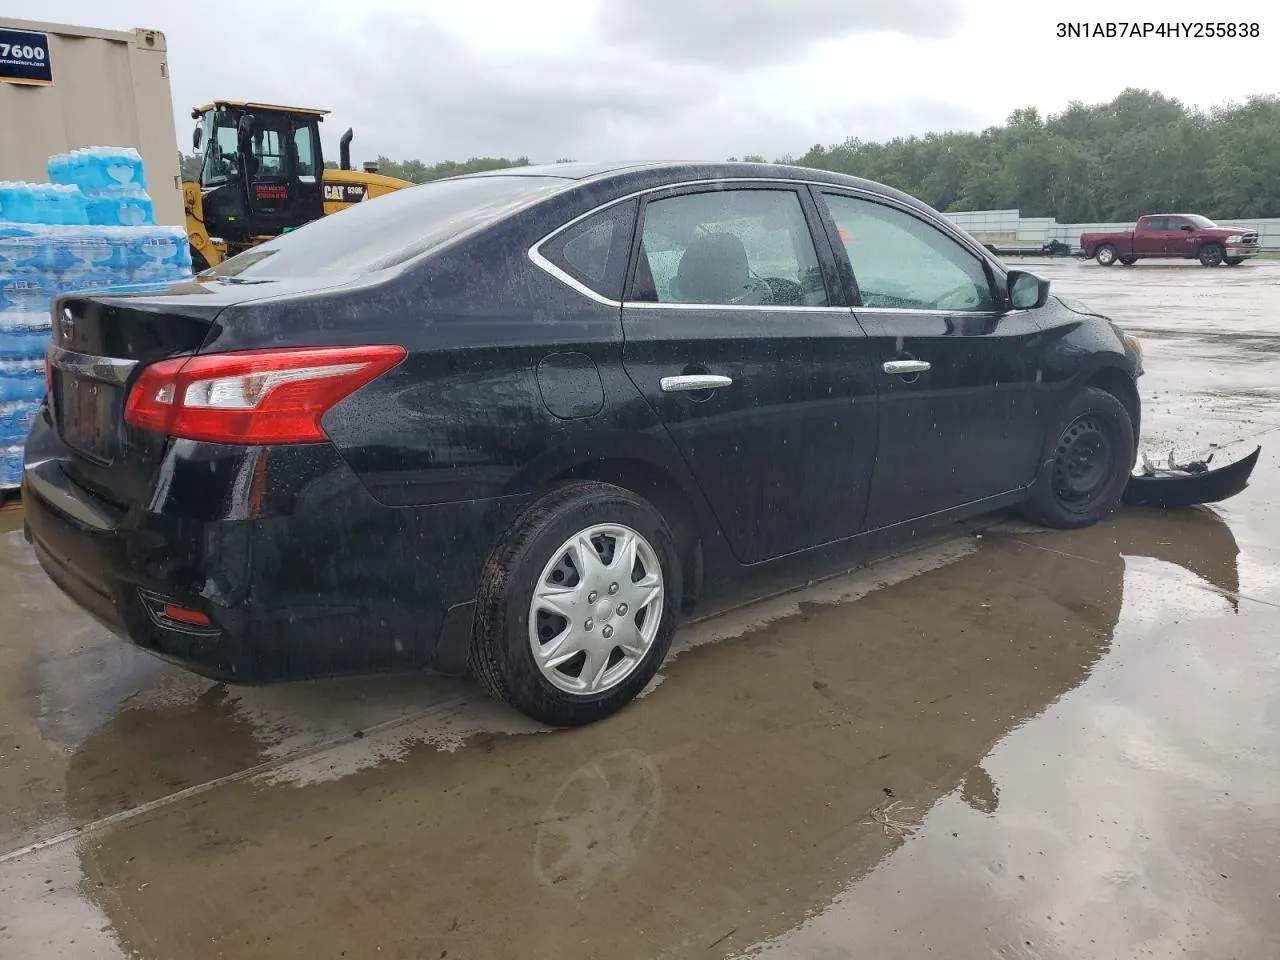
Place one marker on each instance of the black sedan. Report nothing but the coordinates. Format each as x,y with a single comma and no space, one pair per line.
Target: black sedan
519,423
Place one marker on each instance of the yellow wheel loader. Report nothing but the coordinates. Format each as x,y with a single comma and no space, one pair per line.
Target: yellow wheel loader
262,174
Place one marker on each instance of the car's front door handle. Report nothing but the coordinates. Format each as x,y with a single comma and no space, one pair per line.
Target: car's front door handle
906,367
695,381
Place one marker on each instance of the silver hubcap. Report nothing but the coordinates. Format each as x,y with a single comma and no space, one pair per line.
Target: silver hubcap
1106,256
596,609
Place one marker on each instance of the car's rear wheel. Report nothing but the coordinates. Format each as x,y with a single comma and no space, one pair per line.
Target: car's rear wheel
1090,455
577,606
1233,261
1212,254
1128,261
1106,255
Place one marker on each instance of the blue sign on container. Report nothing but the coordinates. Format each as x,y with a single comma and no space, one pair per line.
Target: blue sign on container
24,57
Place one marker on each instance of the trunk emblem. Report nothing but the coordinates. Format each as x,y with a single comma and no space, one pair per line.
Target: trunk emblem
67,324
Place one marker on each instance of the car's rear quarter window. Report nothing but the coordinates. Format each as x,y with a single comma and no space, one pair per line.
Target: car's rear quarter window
594,251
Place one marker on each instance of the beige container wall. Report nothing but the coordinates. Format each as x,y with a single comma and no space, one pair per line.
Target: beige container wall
109,89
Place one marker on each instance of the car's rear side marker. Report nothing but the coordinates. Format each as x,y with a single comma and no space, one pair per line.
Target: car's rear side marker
253,397
184,615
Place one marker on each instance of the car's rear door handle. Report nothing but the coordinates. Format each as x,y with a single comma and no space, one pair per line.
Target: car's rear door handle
695,381
906,367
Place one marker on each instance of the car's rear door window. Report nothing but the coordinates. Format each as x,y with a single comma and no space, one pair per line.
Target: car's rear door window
729,247
901,262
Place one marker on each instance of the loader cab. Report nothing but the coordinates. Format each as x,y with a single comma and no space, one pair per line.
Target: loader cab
261,170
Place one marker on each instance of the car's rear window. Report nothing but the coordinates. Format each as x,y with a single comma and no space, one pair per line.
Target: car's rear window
389,230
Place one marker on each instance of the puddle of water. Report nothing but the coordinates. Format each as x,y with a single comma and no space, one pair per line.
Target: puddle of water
743,794
1137,817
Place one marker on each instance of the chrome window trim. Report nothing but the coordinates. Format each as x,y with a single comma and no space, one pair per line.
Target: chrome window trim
103,369
935,313
770,307
536,257
540,261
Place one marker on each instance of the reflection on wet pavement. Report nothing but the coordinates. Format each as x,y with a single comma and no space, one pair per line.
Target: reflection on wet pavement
1022,744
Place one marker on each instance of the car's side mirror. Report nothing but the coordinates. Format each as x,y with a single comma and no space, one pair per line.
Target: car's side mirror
196,136
1027,291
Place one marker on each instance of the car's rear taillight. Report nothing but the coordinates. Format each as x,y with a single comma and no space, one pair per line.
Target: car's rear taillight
253,396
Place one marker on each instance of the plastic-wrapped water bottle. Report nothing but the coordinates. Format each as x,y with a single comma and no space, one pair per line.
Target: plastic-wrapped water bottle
19,247
32,247
23,334
126,250
107,168
10,467
22,379
167,245
156,272
58,167
16,205
87,249
71,205
90,281
57,205
16,419
121,207
26,291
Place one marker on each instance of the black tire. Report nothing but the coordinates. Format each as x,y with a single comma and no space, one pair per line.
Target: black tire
198,263
1106,255
1128,261
1211,255
501,657
1076,489
1233,261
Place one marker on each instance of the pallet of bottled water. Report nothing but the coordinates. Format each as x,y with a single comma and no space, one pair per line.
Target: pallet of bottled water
90,229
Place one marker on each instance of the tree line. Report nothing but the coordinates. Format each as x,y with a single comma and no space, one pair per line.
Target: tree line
1139,153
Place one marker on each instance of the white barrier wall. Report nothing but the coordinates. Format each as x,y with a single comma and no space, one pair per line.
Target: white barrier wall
1007,226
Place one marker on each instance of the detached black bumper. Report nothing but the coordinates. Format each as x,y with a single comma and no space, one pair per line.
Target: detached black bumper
1187,486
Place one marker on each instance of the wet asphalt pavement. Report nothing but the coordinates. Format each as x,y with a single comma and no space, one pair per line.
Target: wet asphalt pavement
1013,743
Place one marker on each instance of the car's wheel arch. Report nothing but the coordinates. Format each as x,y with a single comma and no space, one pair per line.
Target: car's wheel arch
638,463
1114,378
1206,244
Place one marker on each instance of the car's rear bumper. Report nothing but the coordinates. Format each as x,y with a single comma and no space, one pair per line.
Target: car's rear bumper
340,585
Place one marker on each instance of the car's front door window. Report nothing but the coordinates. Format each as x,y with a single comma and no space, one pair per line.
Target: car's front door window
729,248
899,261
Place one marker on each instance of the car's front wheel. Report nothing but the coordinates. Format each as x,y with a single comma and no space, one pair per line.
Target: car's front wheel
1090,455
1212,254
577,606
1233,261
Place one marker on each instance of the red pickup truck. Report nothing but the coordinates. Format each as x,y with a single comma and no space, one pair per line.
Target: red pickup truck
1185,235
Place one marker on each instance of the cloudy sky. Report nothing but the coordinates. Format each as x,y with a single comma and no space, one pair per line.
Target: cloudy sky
693,79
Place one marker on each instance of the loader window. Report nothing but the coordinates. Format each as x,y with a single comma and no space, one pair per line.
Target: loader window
268,150
304,154
221,152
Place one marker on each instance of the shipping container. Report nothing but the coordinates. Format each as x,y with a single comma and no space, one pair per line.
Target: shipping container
64,87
